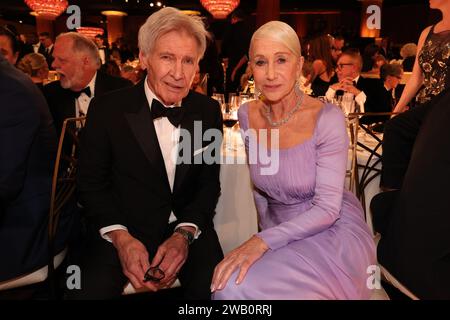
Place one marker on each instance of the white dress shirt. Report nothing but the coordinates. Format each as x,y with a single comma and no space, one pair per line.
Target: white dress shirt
360,99
168,138
82,102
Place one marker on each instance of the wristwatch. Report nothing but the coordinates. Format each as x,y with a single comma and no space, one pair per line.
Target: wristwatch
189,236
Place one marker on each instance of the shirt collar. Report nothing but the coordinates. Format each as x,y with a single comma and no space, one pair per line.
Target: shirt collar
150,96
356,79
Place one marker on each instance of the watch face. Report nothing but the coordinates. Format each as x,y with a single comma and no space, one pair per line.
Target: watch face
186,234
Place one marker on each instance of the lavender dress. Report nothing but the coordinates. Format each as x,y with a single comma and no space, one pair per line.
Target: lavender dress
320,246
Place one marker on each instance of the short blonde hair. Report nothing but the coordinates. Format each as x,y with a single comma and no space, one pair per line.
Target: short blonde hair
280,32
408,50
32,63
170,19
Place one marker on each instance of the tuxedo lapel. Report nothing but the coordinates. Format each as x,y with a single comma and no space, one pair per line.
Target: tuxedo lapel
191,115
141,124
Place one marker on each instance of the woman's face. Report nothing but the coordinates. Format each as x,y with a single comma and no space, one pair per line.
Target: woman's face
275,69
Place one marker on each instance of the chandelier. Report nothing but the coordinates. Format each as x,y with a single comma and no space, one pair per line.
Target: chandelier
48,9
90,32
220,9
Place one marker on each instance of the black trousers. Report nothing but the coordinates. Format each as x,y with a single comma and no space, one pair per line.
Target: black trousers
399,136
102,276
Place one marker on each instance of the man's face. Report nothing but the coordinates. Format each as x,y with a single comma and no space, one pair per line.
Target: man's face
171,66
6,49
99,42
46,41
346,68
393,81
336,48
69,65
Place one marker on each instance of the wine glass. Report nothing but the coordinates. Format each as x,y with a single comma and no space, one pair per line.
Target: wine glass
229,120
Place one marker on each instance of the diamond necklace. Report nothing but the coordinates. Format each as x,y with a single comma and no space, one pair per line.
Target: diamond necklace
289,115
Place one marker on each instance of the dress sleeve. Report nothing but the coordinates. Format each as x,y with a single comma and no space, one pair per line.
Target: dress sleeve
331,141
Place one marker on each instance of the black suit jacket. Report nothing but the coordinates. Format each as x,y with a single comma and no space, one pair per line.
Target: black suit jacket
62,103
48,55
27,154
415,246
122,177
378,100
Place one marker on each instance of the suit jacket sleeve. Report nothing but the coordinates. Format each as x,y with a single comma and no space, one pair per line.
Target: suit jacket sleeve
201,209
95,166
19,123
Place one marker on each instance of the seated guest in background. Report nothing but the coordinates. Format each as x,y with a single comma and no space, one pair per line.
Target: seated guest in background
378,61
350,81
408,53
35,66
77,62
414,221
145,212
9,46
46,47
384,93
337,44
129,72
314,242
322,63
27,154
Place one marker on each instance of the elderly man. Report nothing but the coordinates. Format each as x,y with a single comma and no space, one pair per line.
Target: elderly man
348,71
152,217
77,61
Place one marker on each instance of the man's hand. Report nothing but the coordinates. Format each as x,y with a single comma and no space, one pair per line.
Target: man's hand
133,257
171,256
348,86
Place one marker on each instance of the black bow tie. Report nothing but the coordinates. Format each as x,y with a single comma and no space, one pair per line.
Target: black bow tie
86,90
174,115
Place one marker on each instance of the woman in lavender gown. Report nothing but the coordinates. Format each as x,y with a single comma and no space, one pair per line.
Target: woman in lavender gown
313,243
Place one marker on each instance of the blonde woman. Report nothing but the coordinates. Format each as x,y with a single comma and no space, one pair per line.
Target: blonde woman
35,66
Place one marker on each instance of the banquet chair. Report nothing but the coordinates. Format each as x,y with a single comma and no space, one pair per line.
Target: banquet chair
367,170
351,173
63,187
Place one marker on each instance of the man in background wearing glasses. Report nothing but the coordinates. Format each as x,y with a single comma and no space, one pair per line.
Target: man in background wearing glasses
348,71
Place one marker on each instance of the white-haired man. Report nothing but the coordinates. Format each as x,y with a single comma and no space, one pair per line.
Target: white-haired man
152,218
76,60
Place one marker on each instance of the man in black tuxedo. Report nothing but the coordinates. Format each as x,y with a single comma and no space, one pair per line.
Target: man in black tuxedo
46,47
77,62
384,94
348,72
147,211
102,49
27,155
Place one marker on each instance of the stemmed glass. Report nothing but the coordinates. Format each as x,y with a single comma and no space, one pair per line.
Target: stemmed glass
229,120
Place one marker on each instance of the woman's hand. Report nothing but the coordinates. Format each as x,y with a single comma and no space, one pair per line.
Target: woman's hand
242,257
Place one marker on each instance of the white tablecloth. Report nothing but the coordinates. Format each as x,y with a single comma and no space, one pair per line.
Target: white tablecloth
236,217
